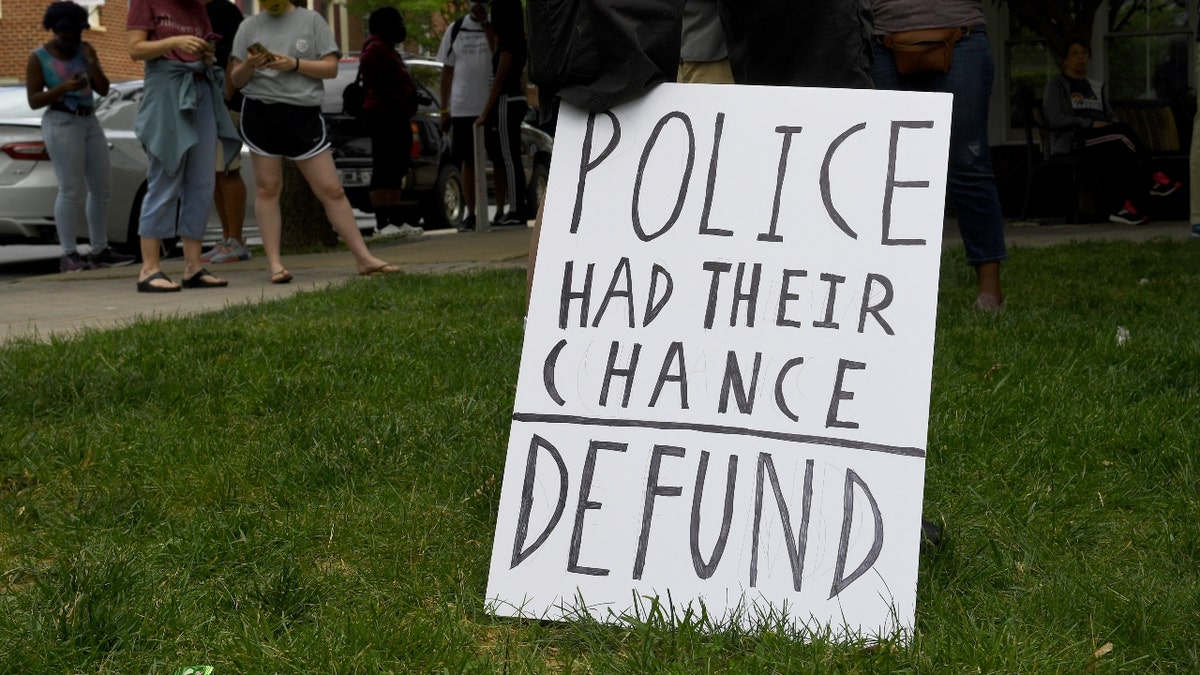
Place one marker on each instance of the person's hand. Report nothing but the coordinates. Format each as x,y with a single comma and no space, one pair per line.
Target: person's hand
190,44
285,64
261,59
76,83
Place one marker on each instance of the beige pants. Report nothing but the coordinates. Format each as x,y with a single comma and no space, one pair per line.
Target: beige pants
710,72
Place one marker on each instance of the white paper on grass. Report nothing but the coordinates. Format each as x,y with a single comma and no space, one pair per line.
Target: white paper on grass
629,536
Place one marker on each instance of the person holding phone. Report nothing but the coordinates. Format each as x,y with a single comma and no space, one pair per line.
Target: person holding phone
281,117
63,75
180,121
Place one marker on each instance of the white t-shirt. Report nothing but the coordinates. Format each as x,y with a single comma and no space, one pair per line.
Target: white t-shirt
471,59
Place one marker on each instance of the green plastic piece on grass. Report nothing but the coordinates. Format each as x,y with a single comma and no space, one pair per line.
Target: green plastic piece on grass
195,670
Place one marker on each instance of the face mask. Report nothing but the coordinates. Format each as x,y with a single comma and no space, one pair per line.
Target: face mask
274,7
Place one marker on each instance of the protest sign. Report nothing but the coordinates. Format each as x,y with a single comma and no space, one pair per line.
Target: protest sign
724,388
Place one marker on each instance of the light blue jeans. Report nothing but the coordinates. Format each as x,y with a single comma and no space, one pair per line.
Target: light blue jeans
971,183
79,153
187,196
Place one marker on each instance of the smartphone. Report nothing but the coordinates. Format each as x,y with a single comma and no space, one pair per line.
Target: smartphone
258,48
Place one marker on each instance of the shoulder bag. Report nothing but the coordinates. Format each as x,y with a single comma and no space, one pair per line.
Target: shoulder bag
924,52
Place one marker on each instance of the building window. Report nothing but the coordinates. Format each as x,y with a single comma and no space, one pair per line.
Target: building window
1148,49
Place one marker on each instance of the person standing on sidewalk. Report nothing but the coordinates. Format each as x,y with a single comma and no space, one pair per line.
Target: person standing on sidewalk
64,74
388,109
280,56
505,109
229,196
972,183
466,61
180,121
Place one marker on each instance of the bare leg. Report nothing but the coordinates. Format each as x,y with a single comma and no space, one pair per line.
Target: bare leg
988,275
268,183
151,262
230,198
322,177
191,259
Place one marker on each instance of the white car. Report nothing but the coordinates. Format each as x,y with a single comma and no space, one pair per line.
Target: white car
28,185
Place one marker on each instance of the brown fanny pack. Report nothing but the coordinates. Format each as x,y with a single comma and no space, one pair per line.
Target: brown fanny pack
919,52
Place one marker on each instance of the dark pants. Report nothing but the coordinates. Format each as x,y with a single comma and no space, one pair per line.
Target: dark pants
1114,152
391,149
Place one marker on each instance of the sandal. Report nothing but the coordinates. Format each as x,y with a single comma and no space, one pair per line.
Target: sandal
204,279
386,268
281,277
147,286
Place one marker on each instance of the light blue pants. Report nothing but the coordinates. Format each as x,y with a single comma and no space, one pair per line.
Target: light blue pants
187,195
79,153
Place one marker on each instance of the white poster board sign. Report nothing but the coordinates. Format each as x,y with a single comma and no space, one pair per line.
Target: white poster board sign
724,386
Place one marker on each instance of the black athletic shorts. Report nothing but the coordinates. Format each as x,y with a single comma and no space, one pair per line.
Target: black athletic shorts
283,129
462,141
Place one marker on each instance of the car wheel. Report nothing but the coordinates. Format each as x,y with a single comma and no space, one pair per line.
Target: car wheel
133,243
447,204
535,192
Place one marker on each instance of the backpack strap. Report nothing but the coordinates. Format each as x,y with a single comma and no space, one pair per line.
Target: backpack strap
454,30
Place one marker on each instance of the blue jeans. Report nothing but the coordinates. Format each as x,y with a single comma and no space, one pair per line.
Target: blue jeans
79,153
188,194
971,184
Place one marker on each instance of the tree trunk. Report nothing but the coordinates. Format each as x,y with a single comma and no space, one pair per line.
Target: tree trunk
304,223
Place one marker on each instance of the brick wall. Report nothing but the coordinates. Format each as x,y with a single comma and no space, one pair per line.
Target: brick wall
21,24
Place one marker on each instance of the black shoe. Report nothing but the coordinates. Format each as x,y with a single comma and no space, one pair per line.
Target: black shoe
931,533
468,224
109,258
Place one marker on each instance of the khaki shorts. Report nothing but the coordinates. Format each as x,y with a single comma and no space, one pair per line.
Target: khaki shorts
711,72
236,116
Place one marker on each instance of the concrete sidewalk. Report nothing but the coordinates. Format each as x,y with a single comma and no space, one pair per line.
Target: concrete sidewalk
61,304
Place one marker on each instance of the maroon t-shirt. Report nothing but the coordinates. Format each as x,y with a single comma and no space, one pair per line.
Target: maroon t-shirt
167,18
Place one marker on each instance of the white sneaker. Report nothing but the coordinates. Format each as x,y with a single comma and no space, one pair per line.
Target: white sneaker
234,251
407,230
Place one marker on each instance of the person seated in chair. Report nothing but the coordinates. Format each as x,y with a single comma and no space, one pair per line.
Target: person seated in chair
1080,121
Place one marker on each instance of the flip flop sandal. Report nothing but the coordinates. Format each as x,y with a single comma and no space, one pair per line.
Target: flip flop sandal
281,277
386,268
204,279
145,285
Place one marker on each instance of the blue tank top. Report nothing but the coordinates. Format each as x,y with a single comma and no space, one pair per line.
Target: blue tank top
56,71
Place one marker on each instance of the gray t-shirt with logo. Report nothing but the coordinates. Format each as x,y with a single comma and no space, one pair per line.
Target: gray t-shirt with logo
299,33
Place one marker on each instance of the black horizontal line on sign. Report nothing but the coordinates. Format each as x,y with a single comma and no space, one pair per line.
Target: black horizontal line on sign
721,429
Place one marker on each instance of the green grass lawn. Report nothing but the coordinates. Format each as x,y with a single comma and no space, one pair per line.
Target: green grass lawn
310,486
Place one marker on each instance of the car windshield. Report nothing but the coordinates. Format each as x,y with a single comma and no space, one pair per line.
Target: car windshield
428,76
15,103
